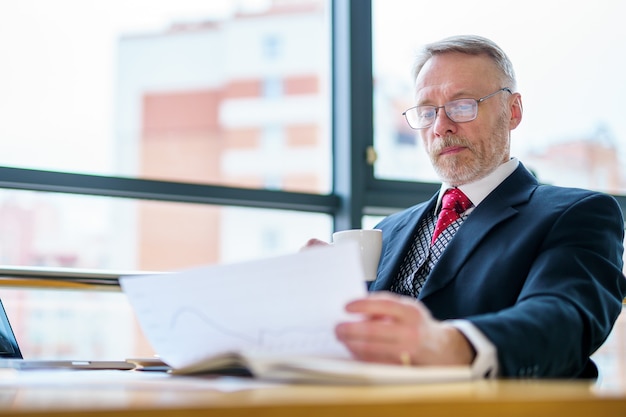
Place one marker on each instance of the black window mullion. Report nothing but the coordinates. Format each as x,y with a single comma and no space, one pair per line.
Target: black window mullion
352,93
95,185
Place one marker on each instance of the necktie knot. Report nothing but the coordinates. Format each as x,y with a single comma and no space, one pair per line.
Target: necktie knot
454,199
453,204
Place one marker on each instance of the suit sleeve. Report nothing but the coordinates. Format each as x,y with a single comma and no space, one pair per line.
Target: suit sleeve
570,299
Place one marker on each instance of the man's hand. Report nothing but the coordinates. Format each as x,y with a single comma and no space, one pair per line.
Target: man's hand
313,243
398,329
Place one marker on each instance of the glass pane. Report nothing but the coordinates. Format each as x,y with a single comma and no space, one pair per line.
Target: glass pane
46,229
569,69
62,230
78,325
221,92
370,222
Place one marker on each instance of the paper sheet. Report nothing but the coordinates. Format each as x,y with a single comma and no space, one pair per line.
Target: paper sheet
287,304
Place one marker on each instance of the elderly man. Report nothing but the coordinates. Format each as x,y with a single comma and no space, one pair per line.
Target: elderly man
515,278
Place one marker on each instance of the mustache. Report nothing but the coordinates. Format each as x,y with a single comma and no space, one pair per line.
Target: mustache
448,141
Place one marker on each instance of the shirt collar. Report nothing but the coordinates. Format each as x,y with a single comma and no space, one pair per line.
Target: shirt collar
477,191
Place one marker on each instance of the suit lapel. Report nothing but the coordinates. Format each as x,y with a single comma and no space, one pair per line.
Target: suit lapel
499,205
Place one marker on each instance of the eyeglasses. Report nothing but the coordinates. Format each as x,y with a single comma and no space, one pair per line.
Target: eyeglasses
459,111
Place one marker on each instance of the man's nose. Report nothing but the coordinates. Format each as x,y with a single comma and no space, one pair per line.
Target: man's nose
443,125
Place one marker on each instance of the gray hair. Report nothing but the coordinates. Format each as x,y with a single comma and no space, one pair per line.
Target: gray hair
470,45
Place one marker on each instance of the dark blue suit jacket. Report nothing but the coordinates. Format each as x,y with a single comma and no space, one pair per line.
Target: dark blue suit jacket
536,268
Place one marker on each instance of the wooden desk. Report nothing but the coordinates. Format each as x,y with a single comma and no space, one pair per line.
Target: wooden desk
124,394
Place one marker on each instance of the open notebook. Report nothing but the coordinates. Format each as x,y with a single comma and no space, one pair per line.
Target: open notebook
11,355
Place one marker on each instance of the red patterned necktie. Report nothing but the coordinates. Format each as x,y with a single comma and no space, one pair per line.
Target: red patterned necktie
453,203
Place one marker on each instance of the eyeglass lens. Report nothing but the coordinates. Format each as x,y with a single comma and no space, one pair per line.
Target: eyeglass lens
462,110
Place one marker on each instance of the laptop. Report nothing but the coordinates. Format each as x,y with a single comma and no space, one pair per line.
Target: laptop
11,355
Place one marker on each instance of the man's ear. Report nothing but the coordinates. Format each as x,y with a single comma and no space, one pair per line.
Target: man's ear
516,110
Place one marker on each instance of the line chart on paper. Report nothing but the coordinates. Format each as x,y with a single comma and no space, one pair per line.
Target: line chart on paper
288,304
300,338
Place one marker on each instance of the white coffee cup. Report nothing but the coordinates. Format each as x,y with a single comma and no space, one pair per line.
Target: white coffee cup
370,242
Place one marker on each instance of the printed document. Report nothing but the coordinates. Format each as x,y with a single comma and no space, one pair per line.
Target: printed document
274,317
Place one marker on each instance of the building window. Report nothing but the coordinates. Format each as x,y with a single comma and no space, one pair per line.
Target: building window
272,47
272,87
